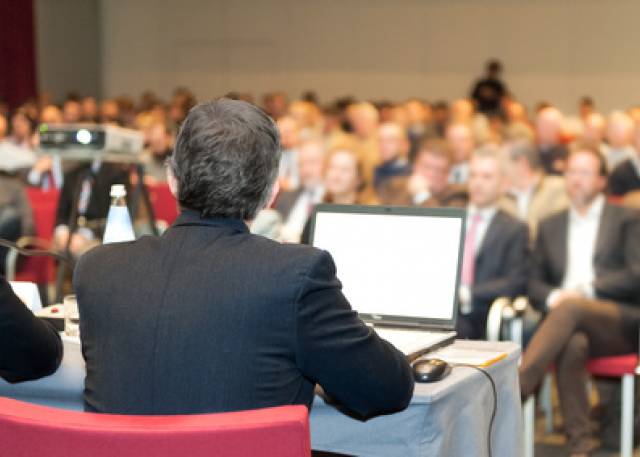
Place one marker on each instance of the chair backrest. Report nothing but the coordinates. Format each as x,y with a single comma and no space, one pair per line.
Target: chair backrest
165,205
30,430
44,205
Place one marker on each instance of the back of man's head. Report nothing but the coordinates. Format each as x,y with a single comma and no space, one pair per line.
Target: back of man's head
226,159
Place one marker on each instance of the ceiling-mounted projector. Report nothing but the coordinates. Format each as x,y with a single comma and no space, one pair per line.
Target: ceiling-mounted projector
84,141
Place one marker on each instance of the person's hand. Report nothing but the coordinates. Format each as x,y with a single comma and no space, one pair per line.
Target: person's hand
562,295
60,238
417,184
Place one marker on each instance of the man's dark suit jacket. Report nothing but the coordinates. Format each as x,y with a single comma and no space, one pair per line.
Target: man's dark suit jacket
624,179
616,261
29,348
210,318
99,200
553,159
501,270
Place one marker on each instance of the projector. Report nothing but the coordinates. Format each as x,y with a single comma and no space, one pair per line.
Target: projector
85,141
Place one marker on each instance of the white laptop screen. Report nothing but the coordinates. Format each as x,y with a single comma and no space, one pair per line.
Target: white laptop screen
394,264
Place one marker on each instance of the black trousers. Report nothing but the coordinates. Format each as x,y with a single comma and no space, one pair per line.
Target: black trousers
571,334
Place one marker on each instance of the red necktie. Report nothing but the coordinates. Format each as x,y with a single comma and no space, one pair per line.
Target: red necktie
469,259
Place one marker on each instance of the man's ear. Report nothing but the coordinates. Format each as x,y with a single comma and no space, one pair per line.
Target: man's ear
173,182
275,190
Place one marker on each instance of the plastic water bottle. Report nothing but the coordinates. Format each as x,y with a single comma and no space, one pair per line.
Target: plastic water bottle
119,227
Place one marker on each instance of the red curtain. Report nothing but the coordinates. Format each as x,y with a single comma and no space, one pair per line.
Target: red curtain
17,52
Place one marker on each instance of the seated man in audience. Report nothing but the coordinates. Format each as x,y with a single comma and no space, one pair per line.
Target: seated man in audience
393,144
460,139
533,195
29,347
88,188
428,185
553,154
619,145
496,254
295,206
209,318
159,147
586,277
290,137
625,177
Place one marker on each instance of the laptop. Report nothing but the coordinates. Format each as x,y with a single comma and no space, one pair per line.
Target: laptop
399,268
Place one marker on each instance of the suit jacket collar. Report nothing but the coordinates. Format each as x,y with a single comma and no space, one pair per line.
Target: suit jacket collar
493,234
604,231
190,217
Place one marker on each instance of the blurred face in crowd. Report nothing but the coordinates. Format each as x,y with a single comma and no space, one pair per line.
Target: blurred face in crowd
583,179
4,126
460,141
311,164
159,139
462,111
516,112
392,142
434,168
486,180
21,127
549,126
305,113
364,119
634,114
276,104
586,109
109,111
341,176
594,128
619,130
289,132
71,111
418,112
89,109
51,114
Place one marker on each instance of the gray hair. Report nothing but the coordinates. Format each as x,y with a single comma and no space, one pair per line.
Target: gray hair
226,159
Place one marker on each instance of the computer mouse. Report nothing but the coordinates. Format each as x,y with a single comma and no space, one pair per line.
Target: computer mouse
430,370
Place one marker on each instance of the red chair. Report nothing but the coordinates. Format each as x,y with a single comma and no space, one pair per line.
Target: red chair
28,430
165,205
44,205
624,367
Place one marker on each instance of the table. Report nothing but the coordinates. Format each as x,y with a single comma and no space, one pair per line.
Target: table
447,418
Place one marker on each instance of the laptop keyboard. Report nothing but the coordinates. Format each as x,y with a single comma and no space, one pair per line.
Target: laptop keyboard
411,341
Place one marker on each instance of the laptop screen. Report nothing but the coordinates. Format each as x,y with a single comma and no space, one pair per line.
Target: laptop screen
395,264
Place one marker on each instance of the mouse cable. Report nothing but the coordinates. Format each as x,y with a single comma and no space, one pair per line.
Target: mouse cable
495,399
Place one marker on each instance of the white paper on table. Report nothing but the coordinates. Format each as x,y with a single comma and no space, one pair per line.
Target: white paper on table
29,294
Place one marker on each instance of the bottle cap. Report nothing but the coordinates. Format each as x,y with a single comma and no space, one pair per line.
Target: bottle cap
118,190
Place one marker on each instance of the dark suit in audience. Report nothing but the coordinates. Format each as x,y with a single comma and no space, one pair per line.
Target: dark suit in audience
29,348
501,270
625,178
580,328
553,158
209,317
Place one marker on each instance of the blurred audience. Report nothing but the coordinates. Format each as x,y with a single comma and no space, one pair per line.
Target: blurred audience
428,185
553,153
532,195
462,144
488,91
625,177
393,144
619,139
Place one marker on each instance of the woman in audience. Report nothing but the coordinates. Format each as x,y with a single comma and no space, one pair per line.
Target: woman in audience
344,183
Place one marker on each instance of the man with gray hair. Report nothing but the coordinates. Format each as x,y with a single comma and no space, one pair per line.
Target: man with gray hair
532,194
210,318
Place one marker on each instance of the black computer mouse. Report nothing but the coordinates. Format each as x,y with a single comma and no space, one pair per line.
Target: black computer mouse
430,370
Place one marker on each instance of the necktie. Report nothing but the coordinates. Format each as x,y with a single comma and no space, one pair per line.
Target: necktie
469,258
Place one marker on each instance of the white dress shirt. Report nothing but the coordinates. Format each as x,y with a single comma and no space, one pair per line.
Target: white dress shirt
581,246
